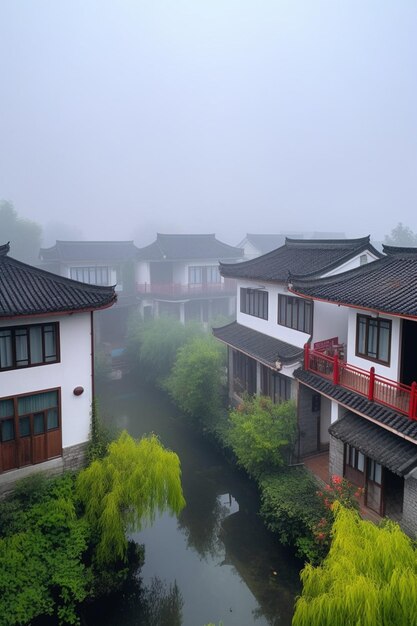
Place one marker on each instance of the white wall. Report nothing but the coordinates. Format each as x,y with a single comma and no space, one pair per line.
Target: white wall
270,326
352,263
74,370
393,370
330,320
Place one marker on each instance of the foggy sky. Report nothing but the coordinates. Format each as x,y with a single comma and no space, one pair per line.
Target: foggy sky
126,117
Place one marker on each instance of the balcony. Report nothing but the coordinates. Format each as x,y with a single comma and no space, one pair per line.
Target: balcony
177,290
376,388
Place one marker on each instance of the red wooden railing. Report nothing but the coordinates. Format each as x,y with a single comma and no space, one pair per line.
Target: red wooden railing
397,396
176,289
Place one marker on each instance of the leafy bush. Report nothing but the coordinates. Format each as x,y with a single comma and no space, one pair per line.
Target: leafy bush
195,382
100,435
262,434
41,550
153,345
291,508
368,577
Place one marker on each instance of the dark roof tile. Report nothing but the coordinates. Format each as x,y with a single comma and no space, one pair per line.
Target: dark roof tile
26,290
306,257
183,247
261,347
89,251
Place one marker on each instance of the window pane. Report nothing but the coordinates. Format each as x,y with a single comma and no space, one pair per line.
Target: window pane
7,430
24,426
281,306
308,307
301,309
384,339
50,343
21,342
362,335
37,402
378,473
6,408
38,424
52,419
372,338
6,358
35,335
361,462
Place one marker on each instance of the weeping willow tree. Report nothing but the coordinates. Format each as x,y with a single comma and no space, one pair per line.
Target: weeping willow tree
369,577
124,490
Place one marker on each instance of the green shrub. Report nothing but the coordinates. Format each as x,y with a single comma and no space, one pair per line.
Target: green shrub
262,434
291,509
195,382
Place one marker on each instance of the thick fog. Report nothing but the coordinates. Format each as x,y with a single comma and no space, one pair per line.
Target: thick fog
120,118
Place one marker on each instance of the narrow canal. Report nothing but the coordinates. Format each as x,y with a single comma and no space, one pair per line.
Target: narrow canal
217,561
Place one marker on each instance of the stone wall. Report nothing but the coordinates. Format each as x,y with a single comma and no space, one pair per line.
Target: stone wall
75,457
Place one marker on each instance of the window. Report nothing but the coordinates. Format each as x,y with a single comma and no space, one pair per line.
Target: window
26,346
295,313
254,302
374,472
373,338
363,259
213,274
96,275
203,274
354,458
195,275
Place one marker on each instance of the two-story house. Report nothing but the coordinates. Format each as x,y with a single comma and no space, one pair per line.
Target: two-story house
178,275
46,367
99,263
367,397
265,344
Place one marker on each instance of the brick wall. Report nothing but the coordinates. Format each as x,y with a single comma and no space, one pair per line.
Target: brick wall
74,457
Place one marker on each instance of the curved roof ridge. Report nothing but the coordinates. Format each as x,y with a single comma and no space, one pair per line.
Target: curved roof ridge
304,280
360,241
399,250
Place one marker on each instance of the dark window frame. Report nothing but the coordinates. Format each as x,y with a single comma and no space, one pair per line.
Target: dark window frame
295,313
375,321
16,417
18,330
254,302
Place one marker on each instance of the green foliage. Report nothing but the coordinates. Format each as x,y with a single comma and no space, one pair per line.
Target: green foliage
153,345
41,548
24,235
368,578
263,434
125,489
291,508
401,235
195,382
338,490
100,435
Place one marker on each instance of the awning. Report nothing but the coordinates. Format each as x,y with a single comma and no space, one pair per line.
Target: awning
261,347
393,452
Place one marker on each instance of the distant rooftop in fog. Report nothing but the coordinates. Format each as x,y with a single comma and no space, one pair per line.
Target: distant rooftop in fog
67,251
26,290
177,247
257,244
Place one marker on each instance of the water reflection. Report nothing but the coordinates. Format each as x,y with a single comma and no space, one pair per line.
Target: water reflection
218,556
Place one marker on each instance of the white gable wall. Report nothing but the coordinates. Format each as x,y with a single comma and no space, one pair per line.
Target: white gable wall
74,370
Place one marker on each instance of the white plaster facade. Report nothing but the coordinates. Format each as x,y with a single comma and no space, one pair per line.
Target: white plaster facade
73,370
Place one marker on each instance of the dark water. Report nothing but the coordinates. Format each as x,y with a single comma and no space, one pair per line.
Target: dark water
217,561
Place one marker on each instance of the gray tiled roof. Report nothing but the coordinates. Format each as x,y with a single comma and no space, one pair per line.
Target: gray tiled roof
261,347
377,412
306,257
391,451
27,290
89,251
388,284
182,247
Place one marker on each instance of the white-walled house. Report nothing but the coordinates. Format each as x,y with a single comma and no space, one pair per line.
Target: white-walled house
46,367
99,263
367,400
178,275
265,344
